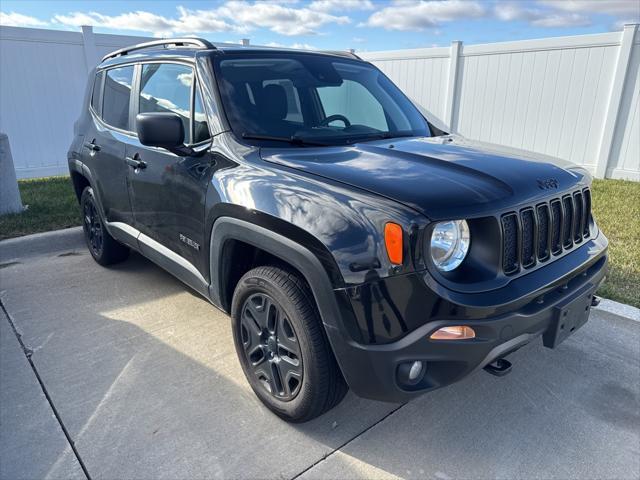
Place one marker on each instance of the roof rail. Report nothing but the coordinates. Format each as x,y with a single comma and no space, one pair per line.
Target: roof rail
342,53
178,42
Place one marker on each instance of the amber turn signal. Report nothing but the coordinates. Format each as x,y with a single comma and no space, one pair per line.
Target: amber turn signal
453,333
393,242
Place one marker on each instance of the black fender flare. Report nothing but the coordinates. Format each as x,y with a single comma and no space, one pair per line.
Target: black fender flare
301,258
79,168
291,252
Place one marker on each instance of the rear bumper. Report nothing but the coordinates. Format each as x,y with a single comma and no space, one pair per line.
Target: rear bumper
372,370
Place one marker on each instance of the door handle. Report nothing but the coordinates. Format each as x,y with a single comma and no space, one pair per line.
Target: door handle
92,146
135,162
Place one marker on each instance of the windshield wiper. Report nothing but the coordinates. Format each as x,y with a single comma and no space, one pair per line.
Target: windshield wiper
386,135
294,140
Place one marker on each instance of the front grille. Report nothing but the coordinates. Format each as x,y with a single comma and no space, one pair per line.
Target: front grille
510,243
567,224
536,234
528,244
556,227
578,220
587,209
543,232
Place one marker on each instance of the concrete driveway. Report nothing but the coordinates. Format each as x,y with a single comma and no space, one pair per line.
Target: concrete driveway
140,375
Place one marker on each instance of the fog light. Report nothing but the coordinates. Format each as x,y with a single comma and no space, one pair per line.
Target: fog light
415,370
458,332
411,373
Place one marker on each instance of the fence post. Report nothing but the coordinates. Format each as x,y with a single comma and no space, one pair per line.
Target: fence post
450,99
89,47
615,98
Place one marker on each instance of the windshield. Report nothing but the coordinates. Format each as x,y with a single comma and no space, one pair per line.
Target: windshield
309,99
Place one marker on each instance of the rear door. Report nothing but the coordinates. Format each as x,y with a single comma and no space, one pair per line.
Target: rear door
104,142
168,194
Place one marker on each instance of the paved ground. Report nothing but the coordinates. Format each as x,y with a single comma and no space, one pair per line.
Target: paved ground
143,377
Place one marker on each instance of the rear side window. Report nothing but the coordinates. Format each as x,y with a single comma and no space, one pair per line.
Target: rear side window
166,87
117,97
96,95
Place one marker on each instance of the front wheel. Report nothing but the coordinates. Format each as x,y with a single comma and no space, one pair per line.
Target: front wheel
282,346
103,247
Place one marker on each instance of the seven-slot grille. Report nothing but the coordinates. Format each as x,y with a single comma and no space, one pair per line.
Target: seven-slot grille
534,234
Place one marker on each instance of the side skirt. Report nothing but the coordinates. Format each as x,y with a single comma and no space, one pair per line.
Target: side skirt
173,263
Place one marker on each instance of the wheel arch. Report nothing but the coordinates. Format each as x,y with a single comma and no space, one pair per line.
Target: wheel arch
80,182
81,178
289,252
227,230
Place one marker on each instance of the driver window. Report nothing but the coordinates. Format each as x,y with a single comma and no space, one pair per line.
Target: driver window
355,102
166,87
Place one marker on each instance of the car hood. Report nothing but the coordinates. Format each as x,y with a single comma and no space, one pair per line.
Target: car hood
441,177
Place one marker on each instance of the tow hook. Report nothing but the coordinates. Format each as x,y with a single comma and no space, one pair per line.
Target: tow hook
499,367
595,301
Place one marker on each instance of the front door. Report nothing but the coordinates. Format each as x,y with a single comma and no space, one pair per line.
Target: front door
168,191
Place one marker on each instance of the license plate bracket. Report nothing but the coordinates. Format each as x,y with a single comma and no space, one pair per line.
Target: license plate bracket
568,317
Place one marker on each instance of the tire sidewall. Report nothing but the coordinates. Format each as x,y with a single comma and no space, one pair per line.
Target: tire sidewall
289,409
88,196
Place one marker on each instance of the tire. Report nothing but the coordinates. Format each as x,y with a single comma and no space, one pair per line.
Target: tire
275,322
103,247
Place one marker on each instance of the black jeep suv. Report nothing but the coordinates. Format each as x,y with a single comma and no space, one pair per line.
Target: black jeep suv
352,242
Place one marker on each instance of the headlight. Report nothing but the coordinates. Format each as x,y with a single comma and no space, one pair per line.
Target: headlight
449,244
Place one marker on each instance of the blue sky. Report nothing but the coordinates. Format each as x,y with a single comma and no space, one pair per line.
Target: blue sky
331,24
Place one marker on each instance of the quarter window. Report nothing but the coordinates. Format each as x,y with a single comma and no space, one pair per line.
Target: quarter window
200,126
117,97
96,95
166,87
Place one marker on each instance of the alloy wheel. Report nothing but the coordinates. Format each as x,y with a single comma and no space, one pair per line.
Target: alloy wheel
271,346
93,227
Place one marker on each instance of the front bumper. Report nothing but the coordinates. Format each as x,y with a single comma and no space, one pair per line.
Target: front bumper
371,371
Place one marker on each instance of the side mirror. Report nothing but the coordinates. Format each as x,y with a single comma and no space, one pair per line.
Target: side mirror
165,130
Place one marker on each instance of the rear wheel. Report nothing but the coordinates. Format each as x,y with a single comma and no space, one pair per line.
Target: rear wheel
103,247
282,346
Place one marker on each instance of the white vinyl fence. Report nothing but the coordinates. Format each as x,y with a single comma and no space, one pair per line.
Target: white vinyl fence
43,74
576,98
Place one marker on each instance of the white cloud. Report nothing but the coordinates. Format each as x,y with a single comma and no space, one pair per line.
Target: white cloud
559,20
205,21
611,7
341,5
510,11
278,18
417,15
626,11
304,46
13,19
299,46
187,21
233,16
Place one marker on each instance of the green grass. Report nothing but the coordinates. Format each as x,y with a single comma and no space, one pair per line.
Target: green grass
616,205
51,205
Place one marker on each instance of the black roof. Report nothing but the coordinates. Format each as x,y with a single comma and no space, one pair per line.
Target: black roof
186,48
